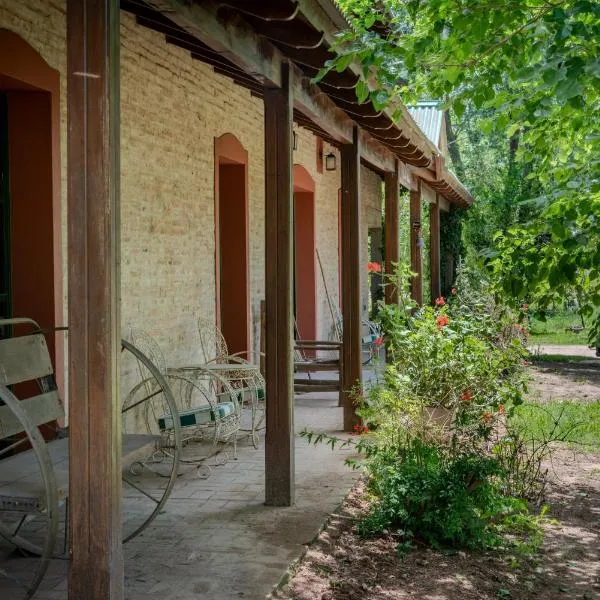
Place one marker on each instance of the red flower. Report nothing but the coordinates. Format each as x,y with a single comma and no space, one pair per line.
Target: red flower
487,416
378,341
454,291
501,409
373,267
440,301
442,321
360,429
466,396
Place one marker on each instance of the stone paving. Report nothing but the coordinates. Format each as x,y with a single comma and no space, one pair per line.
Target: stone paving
216,540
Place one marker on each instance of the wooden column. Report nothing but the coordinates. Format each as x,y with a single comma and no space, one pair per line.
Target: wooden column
351,271
391,231
415,252
96,571
434,250
279,446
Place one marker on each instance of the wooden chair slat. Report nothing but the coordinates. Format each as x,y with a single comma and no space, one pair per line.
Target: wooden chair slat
40,409
24,359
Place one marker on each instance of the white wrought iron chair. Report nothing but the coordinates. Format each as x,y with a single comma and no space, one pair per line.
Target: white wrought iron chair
209,412
243,374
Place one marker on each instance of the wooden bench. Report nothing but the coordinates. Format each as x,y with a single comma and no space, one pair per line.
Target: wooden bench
308,361
35,481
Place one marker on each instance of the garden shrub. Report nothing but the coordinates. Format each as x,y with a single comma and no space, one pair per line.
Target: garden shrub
456,375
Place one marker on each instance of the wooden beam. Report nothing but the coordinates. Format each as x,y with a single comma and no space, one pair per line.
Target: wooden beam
236,41
279,446
351,270
391,231
96,571
434,250
416,263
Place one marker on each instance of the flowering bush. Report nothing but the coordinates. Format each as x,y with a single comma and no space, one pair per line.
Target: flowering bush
456,372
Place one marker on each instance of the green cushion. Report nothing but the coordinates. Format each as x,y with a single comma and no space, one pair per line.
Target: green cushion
201,415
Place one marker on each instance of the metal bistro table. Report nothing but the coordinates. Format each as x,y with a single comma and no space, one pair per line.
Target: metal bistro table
247,380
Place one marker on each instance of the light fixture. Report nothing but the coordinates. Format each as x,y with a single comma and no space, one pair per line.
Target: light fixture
295,140
330,161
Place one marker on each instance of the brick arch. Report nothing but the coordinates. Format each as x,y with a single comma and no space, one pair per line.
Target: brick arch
32,90
305,272
303,181
232,275
228,148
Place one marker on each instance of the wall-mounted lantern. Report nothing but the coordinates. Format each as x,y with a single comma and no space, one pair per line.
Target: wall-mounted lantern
330,161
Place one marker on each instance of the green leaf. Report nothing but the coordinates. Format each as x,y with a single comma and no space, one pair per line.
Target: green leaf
459,108
452,74
343,62
362,90
568,88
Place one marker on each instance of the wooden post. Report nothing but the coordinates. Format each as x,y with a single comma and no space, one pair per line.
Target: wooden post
391,231
96,571
434,249
415,252
351,271
279,446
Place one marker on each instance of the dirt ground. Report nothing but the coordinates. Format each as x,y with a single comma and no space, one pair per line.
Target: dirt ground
341,566
567,380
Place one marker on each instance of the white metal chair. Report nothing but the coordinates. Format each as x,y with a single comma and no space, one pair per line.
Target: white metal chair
209,412
242,373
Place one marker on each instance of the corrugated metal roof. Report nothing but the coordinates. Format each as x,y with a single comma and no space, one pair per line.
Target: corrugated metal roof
428,117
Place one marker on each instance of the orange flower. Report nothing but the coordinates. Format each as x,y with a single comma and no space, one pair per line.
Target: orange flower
373,267
501,409
440,301
487,416
466,396
442,321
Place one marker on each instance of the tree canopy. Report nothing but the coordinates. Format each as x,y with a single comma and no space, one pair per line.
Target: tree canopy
527,73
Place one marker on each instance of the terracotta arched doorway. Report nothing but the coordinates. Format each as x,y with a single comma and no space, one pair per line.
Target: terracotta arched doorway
231,242
305,280
30,249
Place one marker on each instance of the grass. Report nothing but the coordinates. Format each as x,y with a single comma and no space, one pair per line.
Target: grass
554,330
560,358
575,423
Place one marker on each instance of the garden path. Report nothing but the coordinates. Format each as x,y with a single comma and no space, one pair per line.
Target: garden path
572,374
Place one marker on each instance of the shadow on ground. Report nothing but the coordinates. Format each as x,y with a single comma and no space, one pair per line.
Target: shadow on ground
341,566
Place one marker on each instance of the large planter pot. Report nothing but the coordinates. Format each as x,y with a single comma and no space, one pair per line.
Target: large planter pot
438,417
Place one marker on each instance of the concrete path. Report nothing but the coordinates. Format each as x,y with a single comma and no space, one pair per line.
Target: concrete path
216,540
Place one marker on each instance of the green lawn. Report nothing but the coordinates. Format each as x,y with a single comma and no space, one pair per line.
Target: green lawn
575,423
554,330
